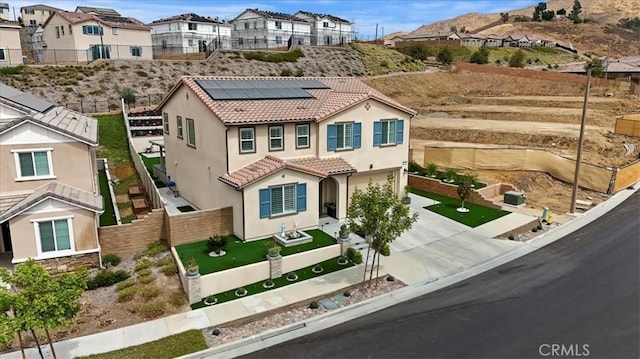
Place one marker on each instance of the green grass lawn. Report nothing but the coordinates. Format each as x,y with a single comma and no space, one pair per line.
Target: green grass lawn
108,218
114,146
476,216
169,347
328,266
148,163
240,253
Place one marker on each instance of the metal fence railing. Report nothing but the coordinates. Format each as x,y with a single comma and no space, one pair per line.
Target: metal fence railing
104,105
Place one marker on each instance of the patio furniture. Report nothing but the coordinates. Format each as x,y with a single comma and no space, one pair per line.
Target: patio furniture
171,187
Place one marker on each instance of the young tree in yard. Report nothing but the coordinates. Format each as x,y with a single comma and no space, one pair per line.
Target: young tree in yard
381,215
576,10
597,67
517,60
8,323
464,190
41,301
445,56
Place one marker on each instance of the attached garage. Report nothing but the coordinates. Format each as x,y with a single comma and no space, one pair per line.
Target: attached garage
361,180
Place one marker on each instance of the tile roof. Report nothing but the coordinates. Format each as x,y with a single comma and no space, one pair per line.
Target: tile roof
7,202
41,7
58,191
70,123
108,20
98,11
342,93
321,167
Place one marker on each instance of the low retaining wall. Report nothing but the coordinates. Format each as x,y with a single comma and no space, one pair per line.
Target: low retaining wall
449,190
132,237
194,226
71,263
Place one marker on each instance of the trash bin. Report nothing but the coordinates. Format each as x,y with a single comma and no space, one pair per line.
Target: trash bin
545,213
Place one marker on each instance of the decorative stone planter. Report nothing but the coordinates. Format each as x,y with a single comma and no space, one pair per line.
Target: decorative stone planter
317,269
287,241
240,292
214,254
210,300
292,277
268,284
343,261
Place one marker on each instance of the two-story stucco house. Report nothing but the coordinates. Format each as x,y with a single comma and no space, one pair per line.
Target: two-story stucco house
10,48
281,150
189,33
49,197
4,11
34,15
327,29
82,37
259,29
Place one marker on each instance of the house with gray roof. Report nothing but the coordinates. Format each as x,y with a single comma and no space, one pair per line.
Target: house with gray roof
50,200
189,33
328,29
260,29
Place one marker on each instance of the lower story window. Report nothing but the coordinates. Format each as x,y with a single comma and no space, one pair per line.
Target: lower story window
283,199
136,51
55,235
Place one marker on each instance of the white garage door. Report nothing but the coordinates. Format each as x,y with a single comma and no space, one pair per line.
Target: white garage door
361,180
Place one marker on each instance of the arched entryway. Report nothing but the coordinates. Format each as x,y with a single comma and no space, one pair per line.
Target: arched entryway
328,201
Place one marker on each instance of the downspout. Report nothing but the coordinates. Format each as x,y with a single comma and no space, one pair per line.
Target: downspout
96,219
244,224
226,146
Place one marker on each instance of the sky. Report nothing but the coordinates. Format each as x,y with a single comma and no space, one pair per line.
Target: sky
390,15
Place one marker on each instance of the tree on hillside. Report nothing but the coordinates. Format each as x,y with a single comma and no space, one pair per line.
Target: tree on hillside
418,52
504,16
517,60
548,15
445,56
42,302
380,215
630,23
538,10
453,29
597,67
576,10
480,56
562,12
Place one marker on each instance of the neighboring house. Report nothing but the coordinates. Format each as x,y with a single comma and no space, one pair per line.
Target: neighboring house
516,40
390,41
10,48
38,45
616,69
98,11
84,37
493,40
432,36
188,33
281,150
34,15
49,197
327,29
475,40
538,42
258,29
4,11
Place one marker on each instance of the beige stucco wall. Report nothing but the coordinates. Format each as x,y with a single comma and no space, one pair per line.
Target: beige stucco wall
258,228
218,282
196,170
23,235
72,166
238,160
361,180
40,16
296,261
10,43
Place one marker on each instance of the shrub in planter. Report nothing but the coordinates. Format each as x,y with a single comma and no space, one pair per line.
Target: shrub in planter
342,260
390,278
177,299
268,284
215,332
273,249
107,278
535,229
125,284
354,255
450,175
112,259
217,244
414,167
431,170
127,294
292,277
169,269
346,293
143,264
192,267
317,269
150,292
210,300
314,305
152,310
240,292
344,232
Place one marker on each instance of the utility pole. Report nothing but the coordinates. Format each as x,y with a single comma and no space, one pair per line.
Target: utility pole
576,176
606,64
376,32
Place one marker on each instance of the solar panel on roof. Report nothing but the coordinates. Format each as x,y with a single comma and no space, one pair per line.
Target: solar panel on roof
24,99
267,89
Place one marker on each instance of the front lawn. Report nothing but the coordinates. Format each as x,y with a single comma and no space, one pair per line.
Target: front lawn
108,217
240,253
169,347
328,266
476,216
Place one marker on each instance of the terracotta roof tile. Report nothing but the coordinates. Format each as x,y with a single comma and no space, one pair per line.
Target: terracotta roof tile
341,94
321,167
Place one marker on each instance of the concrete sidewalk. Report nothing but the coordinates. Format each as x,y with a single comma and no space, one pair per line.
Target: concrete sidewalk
435,249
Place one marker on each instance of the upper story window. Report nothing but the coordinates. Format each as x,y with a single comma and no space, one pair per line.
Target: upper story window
29,11
344,136
325,24
246,25
191,132
278,39
114,31
179,125
165,122
279,25
302,136
70,29
33,164
33,22
388,132
62,30
54,235
91,30
247,140
276,138
57,32
193,26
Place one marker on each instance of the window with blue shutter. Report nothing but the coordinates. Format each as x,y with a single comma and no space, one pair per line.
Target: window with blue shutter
377,133
301,192
265,203
399,131
357,135
331,137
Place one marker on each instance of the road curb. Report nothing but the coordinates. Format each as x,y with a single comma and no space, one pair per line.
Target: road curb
341,315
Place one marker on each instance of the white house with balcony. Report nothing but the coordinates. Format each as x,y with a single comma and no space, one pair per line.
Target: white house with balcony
327,29
258,29
189,33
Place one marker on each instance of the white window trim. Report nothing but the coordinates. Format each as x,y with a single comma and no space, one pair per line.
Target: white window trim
389,134
16,158
252,140
295,200
56,253
281,138
308,135
186,120
6,54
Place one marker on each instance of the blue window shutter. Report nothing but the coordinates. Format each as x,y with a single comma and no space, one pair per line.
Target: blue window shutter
84,29
377,133
265,203
301,193
357,135
331,137
399,131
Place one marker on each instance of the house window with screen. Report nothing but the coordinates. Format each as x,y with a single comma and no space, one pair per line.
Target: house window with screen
276,138
179,125
136,51
54,235
302,136
247,140
283,199
191,132
33,164
344,135
165,122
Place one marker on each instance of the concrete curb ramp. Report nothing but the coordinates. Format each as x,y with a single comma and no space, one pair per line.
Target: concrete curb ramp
339,316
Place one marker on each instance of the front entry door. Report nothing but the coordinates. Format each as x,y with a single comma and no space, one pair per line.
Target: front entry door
6,237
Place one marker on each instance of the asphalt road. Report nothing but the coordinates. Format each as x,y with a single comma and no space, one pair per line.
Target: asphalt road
580,293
